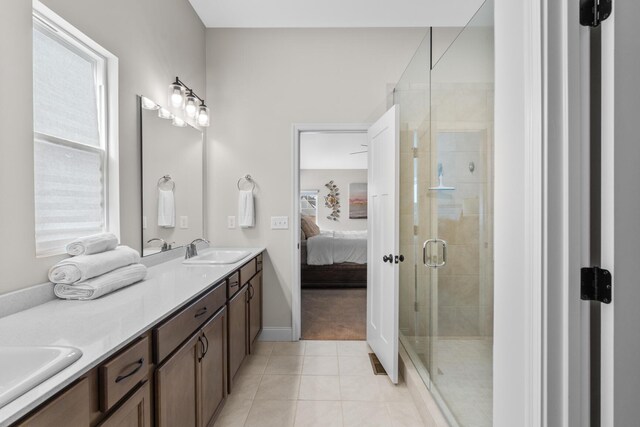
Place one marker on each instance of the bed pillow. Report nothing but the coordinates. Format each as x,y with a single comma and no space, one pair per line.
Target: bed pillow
309,228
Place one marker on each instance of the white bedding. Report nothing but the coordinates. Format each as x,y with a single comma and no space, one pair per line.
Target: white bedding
336,247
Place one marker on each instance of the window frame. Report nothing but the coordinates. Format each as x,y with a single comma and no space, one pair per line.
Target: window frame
106,75
313,193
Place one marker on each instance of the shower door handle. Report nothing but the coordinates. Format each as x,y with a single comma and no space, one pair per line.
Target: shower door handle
427,260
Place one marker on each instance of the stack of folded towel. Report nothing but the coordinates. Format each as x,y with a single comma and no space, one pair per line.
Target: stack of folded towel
97,267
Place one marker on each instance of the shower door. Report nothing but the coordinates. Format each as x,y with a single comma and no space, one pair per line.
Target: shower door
446,199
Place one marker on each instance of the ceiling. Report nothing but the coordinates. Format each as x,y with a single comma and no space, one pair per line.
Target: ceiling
334,13
321,150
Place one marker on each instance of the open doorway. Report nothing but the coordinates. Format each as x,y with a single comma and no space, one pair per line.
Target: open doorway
331,217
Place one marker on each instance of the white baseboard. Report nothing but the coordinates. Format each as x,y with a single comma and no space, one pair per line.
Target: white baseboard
276,334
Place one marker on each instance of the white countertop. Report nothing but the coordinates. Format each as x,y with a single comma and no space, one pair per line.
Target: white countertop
103,326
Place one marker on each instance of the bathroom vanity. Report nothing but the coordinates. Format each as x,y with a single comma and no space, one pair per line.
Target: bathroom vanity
193,327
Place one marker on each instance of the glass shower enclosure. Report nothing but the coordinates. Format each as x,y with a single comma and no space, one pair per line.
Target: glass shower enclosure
446,209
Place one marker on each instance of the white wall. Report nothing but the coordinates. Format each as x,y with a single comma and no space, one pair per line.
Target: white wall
510,296
155,40
260,82
315,179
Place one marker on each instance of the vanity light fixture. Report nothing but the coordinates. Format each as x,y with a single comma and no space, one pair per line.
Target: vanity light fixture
182,96
148,104
191,105
177,121
163,113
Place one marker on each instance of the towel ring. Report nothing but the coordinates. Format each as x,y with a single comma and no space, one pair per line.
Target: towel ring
249,180
167,179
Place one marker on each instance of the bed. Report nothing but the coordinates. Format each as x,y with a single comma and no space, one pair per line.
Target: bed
335,259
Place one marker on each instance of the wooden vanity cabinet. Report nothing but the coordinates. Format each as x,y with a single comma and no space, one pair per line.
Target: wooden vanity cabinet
134,411
176,374
69,408
255,309
237,308
190,384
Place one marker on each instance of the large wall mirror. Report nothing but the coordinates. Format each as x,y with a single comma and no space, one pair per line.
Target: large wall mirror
172,179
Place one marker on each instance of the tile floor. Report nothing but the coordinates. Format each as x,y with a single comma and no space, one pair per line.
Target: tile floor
315,383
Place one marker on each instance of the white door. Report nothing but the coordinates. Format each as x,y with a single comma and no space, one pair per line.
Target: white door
383,241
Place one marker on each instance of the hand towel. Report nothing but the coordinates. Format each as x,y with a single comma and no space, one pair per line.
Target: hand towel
102,285
246,215
94,244
166,209
85,267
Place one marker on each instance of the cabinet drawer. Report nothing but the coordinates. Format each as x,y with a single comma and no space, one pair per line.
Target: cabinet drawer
122,373
70,409
259,263
176,330
247,271
233,284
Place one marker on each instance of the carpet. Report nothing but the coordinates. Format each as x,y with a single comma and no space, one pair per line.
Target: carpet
334,314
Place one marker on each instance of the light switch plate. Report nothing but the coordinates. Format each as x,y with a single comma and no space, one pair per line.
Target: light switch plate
184,222
231,222
279,222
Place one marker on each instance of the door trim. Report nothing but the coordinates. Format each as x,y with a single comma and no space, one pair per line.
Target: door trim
297,129
519,230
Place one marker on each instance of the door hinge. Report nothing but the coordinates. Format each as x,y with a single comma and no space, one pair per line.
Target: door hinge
416,307
415,230
593,12
415,152
595,284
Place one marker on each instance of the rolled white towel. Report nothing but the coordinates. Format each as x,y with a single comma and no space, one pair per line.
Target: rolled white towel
85,267
94,244
102,285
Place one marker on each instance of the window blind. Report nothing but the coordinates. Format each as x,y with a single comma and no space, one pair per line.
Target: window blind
69,154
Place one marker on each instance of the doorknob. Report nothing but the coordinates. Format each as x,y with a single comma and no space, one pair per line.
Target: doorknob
388,258
399,258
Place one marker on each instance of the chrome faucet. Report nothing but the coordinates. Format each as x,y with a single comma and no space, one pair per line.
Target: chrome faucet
165,246
192,249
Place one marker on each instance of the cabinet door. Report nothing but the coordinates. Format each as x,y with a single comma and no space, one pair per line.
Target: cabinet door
134,412
237,312
69,409
177,386
255,309
213,367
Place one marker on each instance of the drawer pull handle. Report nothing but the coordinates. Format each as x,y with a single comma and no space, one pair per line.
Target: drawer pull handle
139,363
251,291
234,284
200,312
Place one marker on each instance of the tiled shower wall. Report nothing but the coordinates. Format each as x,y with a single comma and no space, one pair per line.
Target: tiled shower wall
462,117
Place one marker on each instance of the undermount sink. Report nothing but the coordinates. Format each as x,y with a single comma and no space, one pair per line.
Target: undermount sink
25,367
218,256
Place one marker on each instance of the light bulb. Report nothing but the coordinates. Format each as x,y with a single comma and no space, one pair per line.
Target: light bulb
203,116
177,121
176,95
191,106
163,113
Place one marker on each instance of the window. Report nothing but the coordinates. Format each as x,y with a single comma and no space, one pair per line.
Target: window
72,137
309,203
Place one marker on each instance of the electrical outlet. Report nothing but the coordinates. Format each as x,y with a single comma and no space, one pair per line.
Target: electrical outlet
279,222
184,222
231,222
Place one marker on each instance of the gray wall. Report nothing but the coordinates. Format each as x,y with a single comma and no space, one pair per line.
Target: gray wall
260,82
155,40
